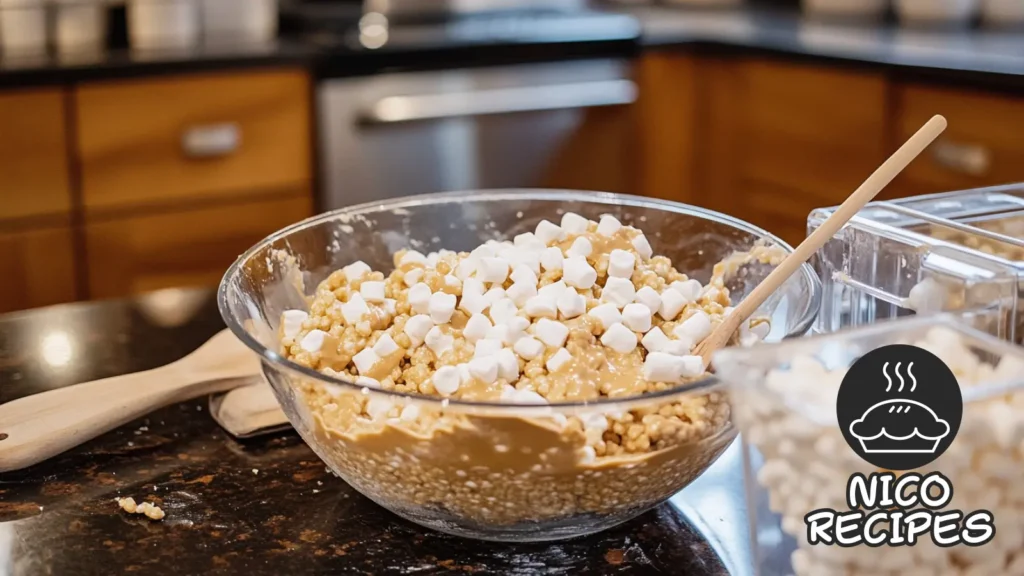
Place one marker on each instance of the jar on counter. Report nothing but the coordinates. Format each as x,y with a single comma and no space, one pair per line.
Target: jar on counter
163,24
80,25
22,27
242,20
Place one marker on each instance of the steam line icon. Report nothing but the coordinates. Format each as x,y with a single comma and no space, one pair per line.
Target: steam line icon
899,425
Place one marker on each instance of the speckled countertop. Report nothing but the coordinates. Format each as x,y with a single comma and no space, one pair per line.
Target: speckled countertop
268,505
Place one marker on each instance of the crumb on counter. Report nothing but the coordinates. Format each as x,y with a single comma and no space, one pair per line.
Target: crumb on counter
150,510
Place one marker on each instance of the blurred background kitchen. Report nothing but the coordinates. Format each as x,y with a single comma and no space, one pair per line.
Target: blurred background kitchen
145,144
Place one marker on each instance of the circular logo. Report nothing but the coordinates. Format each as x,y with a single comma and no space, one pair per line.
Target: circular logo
899,407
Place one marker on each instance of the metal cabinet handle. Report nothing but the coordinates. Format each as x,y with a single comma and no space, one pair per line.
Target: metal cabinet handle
211,140
970,159
399,109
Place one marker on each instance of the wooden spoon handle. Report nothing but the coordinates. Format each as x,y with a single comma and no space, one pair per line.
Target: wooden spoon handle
43,425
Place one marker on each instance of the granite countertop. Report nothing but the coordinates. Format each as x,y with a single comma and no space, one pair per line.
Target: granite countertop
267,505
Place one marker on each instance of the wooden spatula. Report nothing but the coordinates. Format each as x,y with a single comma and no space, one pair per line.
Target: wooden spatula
43,425
861,196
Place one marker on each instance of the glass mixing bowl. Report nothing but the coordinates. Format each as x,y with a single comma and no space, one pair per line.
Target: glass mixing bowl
487,470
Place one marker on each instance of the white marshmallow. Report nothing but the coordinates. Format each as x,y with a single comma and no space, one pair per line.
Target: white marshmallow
548,232
529,241
291,322
571,303
433,258
618,291
523,273
484,369
516,327
661,367
313,341
452,282
580,247
520,292
550,332
502,333
553,290
494,270
355,309
637,317
446,380
390,306
677,347
621,263
557,360
551,258
577,272
503,310
672,303
412,277
473,286
366,382
587,455
649,297
608,225
473,303
378,407
494,294
692,366
476,327
508,365
642,247
356,270
528,397
486,250
655,340
541,307
419,298
619,338
528,348
409,413
690,289
607,314
385,346
365,360
412,257
696,327
487,347
416,328
466,268
573,223
762,329
438,341
372,291
441,307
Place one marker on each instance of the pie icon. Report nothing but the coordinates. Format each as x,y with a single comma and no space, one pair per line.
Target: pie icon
899,426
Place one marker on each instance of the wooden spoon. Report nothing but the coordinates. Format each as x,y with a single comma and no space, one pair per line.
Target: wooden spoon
43,425
885,173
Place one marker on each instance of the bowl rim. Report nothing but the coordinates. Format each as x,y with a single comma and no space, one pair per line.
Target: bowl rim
272,357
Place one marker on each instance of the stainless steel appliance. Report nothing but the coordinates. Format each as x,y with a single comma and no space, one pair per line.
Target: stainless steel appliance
407,133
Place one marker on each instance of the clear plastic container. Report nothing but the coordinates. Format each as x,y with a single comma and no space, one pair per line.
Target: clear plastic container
944,252
500,471
796,459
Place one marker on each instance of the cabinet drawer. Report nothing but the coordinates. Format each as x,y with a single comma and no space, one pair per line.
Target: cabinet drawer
189,248
33,154
983,145
38,268
183,138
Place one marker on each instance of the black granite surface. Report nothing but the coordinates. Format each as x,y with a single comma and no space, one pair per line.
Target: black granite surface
266,505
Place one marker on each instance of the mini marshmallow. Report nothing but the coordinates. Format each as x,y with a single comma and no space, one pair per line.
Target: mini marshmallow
487,347
677,347
696,327
548,232
364,381
494,294
508,365
378,407
416,328
550,332
441,307
580,247
520,292
419,298
576,272
485,250
484,369
655,340
528,348
354,309
473,286
412,277
529,241
438,341
356,270
574,223
551,258
608,225
618,291
412,257
452,282
672,303
523,273
690,289
637,317
661,367
692,366
502,333
649,297
571,304
619,338
494,270
541,306
587,455
390,306
607,314
476,327
642,246
518,325
466,268
528,397
553,290
410,413
621,263
473,303
446,380
557,360
432,259
385,346
372,291
365,360
313,341
291,322
503,310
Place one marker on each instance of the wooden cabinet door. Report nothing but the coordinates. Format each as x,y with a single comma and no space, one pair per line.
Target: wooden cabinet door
38,268
193,247
33,154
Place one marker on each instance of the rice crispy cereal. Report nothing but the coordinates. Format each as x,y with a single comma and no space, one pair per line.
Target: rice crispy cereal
581,311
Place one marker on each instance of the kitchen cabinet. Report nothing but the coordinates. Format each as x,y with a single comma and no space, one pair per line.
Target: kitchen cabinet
33,154
38,267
